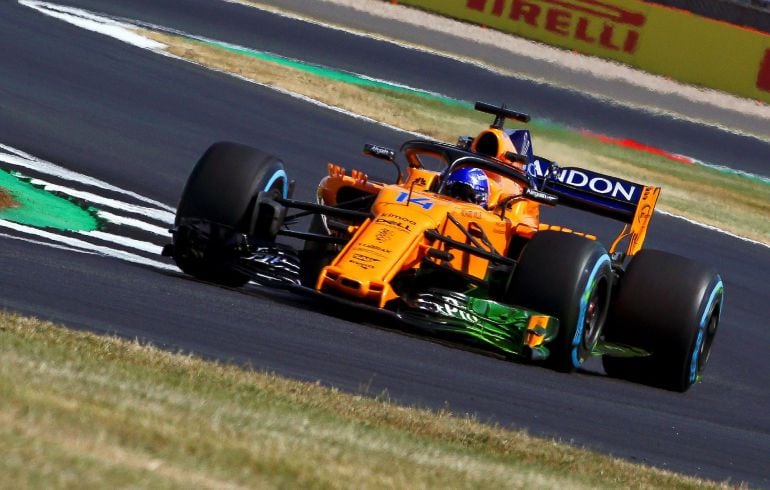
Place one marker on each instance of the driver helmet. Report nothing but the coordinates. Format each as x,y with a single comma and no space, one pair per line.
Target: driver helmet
468,184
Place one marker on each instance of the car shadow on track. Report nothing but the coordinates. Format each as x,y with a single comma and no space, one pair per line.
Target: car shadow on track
370,317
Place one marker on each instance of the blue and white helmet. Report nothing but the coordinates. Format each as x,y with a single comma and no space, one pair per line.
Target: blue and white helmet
468,184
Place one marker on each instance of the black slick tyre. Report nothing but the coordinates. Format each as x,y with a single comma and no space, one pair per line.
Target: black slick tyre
669,306
569,277
220,197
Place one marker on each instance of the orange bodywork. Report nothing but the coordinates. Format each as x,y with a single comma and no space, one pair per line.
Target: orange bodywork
494,143
394,238
636,231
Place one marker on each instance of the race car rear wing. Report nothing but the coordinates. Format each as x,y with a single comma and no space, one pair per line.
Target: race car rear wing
625,201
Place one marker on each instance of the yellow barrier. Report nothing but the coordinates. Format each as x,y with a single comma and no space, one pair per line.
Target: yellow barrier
654,38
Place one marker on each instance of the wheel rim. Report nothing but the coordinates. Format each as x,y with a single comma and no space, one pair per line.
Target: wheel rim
592,325
591,314
705,347
279,181
706,334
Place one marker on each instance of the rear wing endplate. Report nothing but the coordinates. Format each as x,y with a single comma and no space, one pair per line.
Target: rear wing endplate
622,200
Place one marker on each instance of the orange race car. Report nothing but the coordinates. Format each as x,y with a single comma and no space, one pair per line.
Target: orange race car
460,250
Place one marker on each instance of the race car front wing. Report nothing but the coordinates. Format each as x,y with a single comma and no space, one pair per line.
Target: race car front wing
511,329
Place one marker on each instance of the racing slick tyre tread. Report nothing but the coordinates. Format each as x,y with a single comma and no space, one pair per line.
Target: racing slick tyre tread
222,189
669,306
569,277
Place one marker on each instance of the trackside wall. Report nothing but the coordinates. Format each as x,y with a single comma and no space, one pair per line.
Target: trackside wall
651,37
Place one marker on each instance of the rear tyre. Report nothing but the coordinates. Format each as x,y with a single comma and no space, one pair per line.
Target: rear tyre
569,277
218,205
669,306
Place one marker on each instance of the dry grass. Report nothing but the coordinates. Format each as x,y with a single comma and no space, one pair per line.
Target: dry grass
731,203
6,200
79,410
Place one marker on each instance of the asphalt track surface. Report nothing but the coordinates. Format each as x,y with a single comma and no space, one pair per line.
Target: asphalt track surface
139,121
315,44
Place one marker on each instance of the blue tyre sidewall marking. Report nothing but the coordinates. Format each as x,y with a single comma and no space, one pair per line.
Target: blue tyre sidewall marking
716,293
279,174
585,297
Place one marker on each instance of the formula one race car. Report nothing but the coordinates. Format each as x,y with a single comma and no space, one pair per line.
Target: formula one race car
461,251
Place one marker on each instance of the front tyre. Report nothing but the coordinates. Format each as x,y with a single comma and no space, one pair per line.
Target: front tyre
569,277
218,206
669,306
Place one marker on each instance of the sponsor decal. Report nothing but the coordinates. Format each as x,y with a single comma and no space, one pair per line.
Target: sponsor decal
375,248
600,185
399,217
522,140
587,21
763,79
644,214
538,168
420,182
384,235
424,202
365,258
360,264
395,223
453,308
524,146
589,181
541,196
380,152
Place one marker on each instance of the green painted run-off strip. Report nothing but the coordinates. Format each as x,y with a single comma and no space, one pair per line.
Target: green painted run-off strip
37,207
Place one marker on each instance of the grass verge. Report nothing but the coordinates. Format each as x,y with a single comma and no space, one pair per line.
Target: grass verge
730,202
81,410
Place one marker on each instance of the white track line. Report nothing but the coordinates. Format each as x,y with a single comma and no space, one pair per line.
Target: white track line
86,246
124,241
21,159
162,216
47,244
713,228
134,223
92,22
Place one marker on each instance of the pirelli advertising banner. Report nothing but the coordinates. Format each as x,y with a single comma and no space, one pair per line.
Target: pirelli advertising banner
653,38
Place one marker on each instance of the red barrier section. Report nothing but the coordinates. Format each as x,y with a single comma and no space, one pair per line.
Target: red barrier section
763,79
635,145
